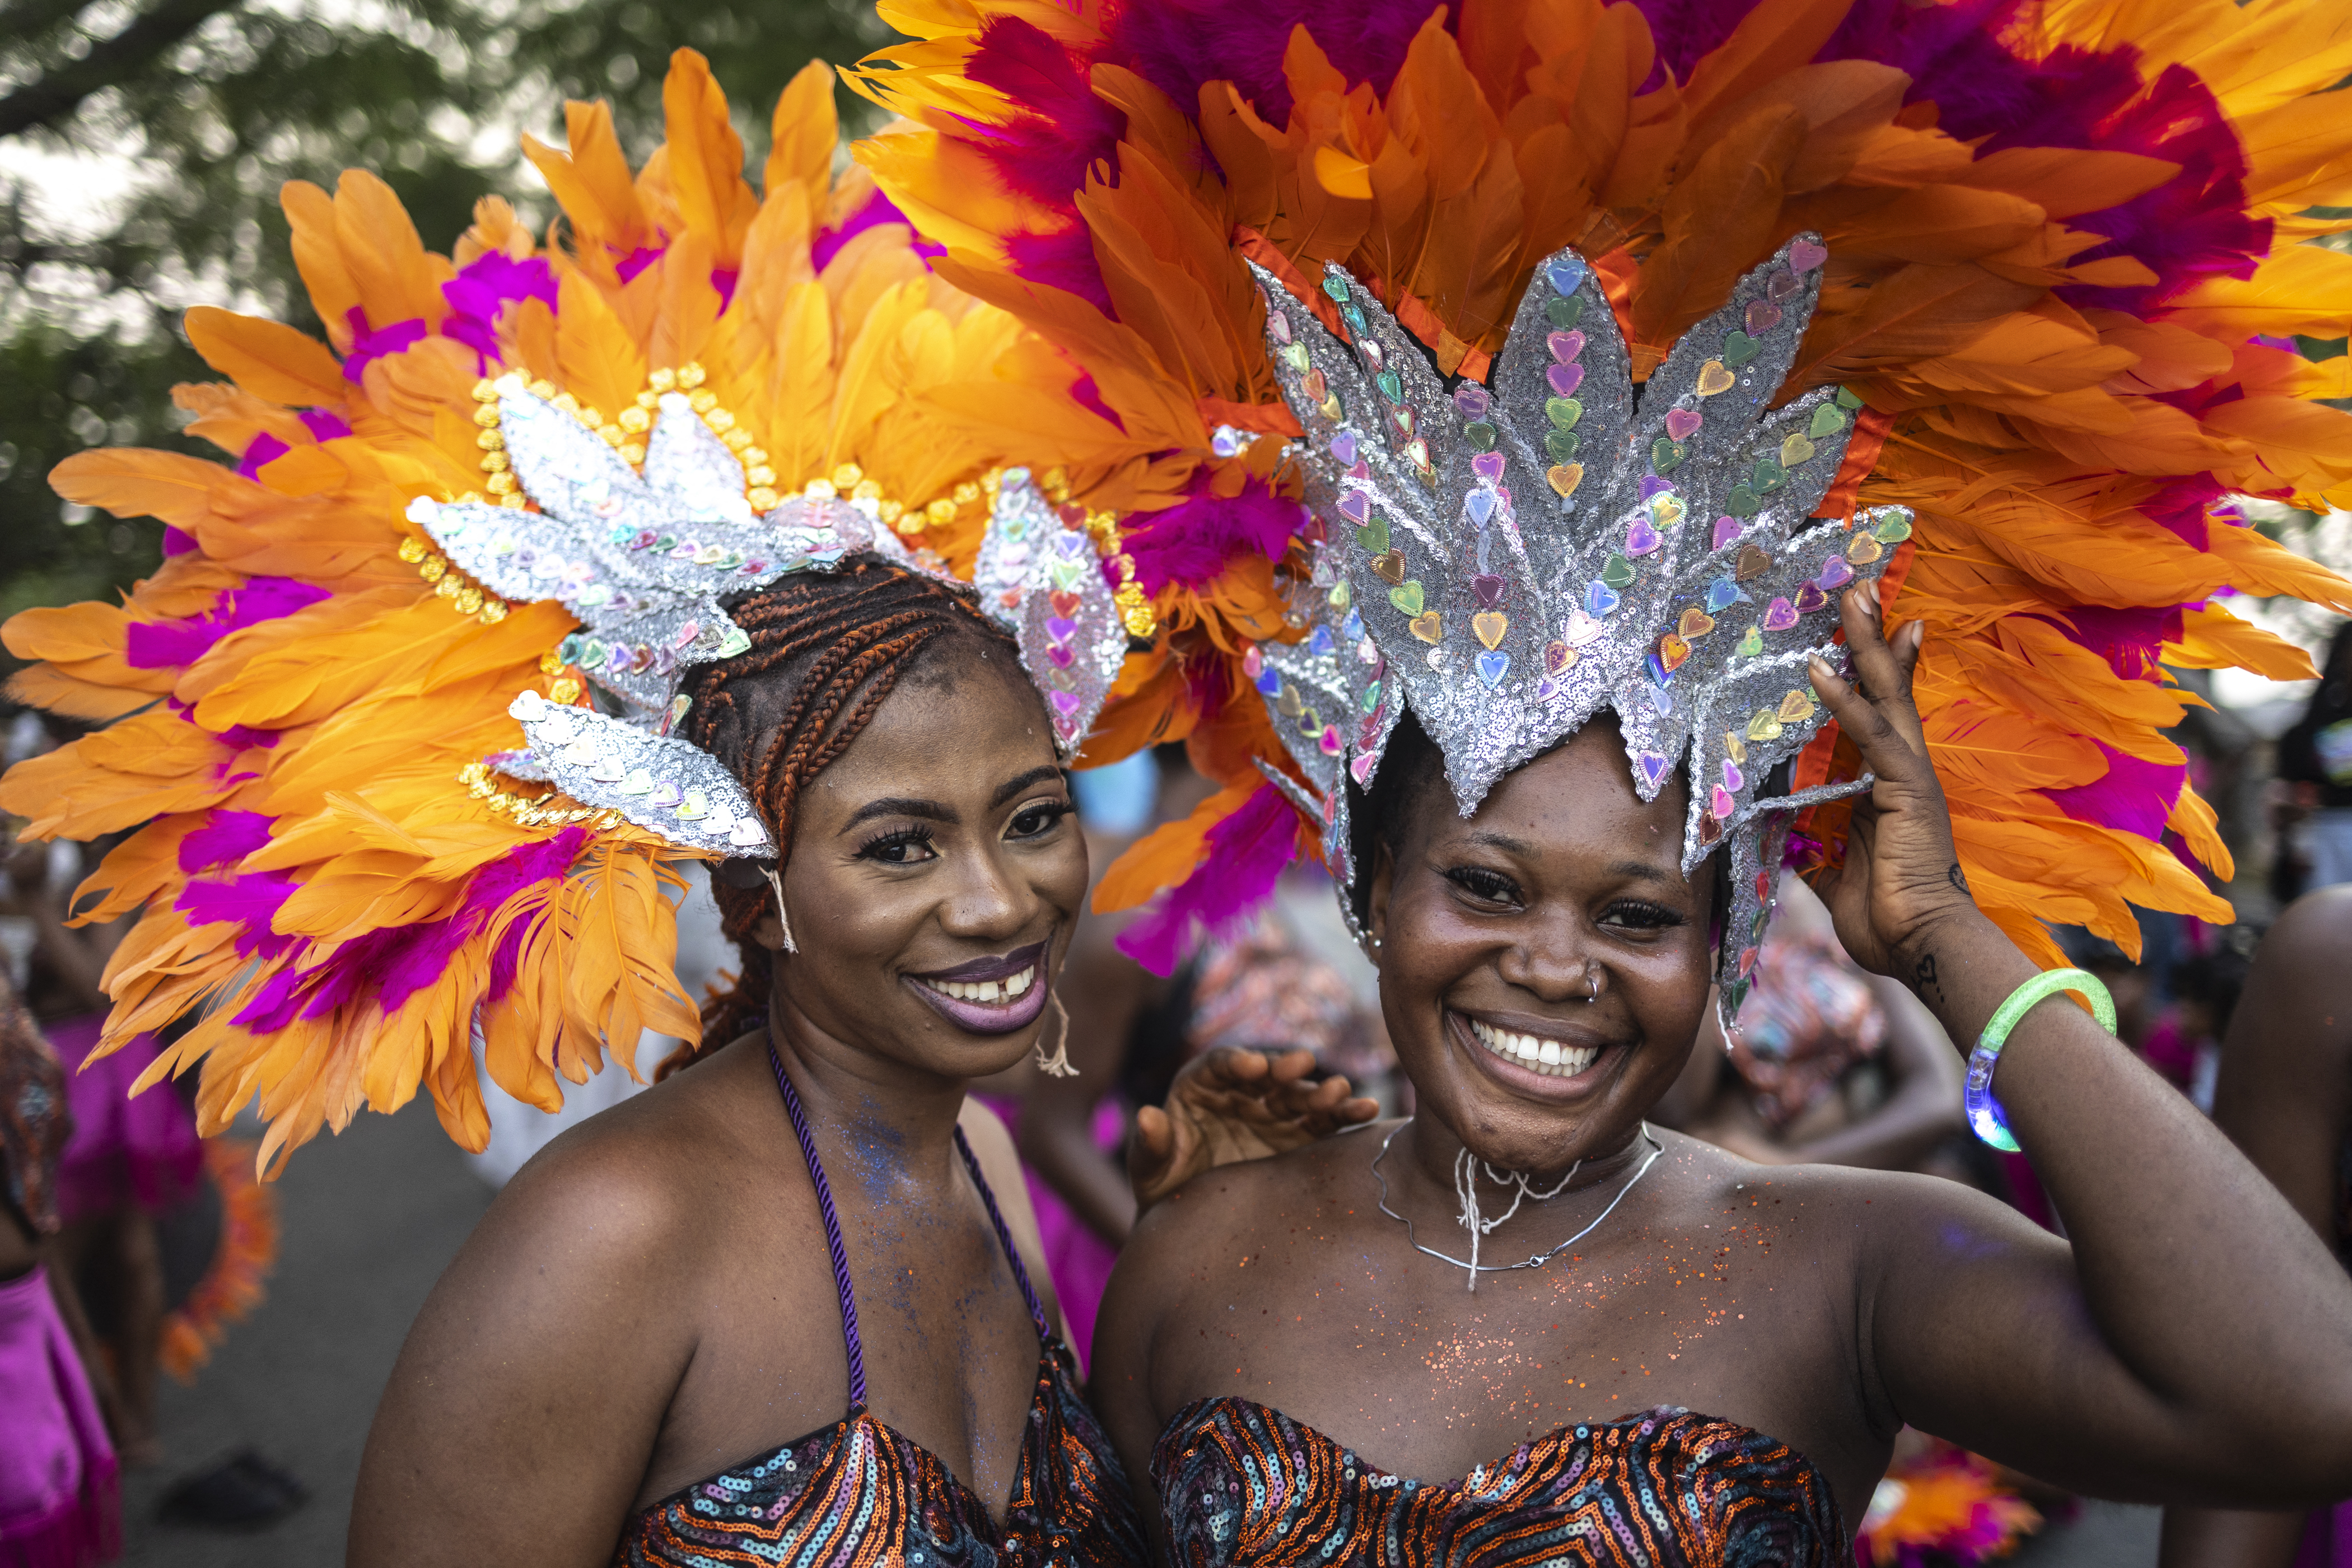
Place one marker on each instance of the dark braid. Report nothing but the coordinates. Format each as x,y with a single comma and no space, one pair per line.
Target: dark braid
827,648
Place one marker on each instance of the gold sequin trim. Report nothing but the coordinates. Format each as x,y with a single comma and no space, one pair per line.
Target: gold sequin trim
551,809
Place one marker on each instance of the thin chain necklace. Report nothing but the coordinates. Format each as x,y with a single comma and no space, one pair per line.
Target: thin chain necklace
1473,1267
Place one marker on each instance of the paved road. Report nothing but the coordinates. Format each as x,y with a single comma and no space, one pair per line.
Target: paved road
371,1219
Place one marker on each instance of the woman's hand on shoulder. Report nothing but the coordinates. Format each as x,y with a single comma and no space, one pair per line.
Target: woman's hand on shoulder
1901,877
1231,1105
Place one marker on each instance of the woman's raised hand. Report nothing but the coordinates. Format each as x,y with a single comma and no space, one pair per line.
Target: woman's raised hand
1901,877
1232,1105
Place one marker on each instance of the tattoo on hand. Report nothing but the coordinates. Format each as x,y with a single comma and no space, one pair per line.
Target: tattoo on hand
1958,878
1924,976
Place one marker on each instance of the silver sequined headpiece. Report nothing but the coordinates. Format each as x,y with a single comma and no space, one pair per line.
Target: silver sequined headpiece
1509,559
643,559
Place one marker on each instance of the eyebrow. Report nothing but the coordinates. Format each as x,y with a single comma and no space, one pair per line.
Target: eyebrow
1633,870
932,811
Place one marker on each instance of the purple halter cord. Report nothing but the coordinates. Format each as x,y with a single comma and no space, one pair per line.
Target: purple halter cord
833,1243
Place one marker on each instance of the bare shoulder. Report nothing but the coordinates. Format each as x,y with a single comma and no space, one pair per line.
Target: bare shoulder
2298,998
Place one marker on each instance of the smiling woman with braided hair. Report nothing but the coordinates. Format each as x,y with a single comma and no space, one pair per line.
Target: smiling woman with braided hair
639,1338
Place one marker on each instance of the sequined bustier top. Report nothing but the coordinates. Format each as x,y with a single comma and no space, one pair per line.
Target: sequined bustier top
857,1493
1243,1484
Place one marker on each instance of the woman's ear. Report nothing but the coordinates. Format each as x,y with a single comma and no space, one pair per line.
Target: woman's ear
752,876
1376,895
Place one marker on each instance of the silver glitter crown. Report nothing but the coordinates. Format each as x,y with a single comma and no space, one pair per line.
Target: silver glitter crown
1510,559
642,560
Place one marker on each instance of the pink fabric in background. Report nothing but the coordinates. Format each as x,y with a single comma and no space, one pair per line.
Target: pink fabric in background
1079,1260
141,1151
59,1505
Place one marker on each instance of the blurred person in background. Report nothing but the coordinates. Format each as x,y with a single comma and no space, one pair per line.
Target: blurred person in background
2283,1094
60,1503
2315,761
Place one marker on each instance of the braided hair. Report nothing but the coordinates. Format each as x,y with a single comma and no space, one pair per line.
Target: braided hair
827,648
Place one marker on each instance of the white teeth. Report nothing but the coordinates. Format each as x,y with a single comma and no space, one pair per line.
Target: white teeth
986,990
1548,1057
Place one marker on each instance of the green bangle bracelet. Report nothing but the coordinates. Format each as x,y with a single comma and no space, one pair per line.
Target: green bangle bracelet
1986,1119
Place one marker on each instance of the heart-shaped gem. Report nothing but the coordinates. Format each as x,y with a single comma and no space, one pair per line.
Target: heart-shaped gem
694,807
1492,668
1288,703
1390,568
1416,452
1369,347
1796,707
1565,346
1810,598
1066,704
1479,435
1747,964
1488,627
1673,651
1065,602
1738,348
1862,549
1563,445
1600,599
1373,536
1369,652
1751,563
1640,538
1779,615
1406,596
1696,623
1834,573
1565,477
1480,505
1066,574
1713,379
1726,528
1666,456
1762,316
1565,271
1355,505
1254,661
1667,510
1490,591
1391,386
1743,501
1352,629
607,769
1425,627
1058,629
1295,356
1320,642
1721,594
1751,644
1563,412
1559,659
1315,388
1277,326
1805,255
1733,779
1009,598
1769,477
665,794
1401,419
1652,766
1721,804
1332,740
1343,446
1893,530
1371,700
640,782
1565,310
1796,449
1472,400
1762,726
1564,379
1847,397
1360,475
1682,423
1828,420
1062,653
1488,465
1711,831
1617,572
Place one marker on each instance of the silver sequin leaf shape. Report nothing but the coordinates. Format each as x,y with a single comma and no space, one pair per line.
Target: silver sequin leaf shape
1043,581
660,782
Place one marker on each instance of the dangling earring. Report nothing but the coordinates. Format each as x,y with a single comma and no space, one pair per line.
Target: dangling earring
776,880
1059,1064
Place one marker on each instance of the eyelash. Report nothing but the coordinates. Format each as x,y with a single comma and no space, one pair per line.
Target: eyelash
875,847
1494,888
1648,916
1052,810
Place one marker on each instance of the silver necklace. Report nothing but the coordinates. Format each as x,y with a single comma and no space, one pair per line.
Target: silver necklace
1478,1227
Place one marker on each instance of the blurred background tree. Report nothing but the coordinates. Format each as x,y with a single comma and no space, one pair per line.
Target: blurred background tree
142,144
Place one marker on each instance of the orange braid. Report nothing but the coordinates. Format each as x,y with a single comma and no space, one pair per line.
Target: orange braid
827,648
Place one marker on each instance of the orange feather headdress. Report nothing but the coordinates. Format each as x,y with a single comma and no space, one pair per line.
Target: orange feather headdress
2068,247
297,706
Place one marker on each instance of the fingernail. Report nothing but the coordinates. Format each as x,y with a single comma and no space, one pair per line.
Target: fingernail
1871,588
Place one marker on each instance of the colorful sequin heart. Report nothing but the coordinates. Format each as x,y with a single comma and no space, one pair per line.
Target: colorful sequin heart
1682,423
1834,573
1768,477
1862,549
1617,572
1733,779
1490,590
1599,598
1796,449
1666,456
1563,412
1743,501
1673,652
1295,356
1564,346
1779,615
1847,397
1805,255
1642,538
1361,766
1726,528
1750,645
1565,271
1390,567
1762,316
1810,598
1331,740
1559,659
1407,598
1721,594
1696,623
1563,445
1314,385
1762,726
1652,766
1565,310
1796,707
1738,348
1782,285
1714,378
1492,668
1391,386
1564,379
1721,804
1565,477
1472,400
1277,326
1065,602
1489,626
1480,505
1374,536
1321,643
1425,627
1343,446
1479,435
1355,505
1667,510
1828,420
1488,465
1751,563
1892,531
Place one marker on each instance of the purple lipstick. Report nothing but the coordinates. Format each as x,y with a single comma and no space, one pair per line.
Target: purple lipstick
989,995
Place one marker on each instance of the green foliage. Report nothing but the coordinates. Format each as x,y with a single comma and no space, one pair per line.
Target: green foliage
207,107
